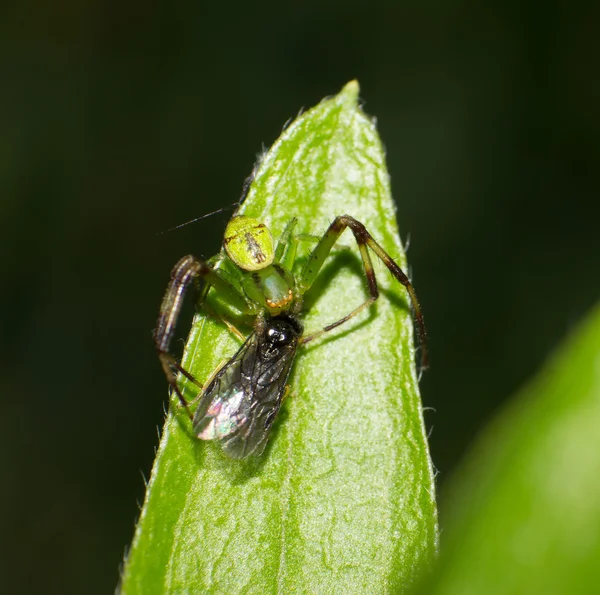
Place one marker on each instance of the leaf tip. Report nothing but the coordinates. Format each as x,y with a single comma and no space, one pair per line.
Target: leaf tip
350,91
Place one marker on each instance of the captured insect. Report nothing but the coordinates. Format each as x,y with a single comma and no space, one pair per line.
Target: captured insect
254,276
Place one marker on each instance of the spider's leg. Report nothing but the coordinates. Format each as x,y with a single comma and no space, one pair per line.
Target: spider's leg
373,291
364,240
188,271
230,326
287,246
285,250
220,366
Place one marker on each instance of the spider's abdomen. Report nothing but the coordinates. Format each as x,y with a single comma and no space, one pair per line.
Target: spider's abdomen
248,243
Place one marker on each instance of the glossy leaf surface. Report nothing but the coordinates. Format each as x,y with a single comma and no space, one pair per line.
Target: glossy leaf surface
342,500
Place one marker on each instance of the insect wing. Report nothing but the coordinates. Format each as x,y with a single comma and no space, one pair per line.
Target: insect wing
223,405
241,403
267,381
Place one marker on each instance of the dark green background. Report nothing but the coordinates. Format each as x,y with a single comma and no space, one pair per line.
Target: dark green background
122,120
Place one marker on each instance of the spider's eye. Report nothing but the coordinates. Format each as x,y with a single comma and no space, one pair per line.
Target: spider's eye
249,243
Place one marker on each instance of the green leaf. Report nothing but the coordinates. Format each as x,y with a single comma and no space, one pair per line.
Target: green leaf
523,514
342,500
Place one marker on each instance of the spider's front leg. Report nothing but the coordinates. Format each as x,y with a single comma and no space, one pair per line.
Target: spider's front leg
189,271
365,241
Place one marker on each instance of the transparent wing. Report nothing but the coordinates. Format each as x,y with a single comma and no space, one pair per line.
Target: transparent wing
242,401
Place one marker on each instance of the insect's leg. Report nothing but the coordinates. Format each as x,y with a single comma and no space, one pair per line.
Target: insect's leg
188,271
363,239
287,393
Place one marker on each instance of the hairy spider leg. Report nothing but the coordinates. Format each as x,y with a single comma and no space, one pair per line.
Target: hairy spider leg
188,271
287,246
364,240
285,252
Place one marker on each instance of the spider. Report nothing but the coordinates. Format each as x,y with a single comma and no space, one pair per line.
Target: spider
239,404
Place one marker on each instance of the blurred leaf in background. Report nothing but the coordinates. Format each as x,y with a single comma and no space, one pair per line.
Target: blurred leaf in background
522,515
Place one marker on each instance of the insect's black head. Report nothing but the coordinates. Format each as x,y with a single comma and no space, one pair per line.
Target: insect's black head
281,331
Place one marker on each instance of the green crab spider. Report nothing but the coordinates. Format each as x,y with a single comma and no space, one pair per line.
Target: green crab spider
254,276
